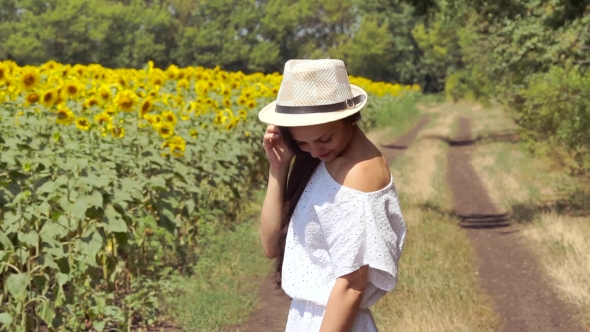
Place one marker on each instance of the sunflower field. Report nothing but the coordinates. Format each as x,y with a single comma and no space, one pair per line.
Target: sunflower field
111,179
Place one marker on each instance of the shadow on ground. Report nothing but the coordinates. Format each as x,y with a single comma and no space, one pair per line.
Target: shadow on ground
574,204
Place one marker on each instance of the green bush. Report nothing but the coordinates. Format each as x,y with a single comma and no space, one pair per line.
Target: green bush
557,107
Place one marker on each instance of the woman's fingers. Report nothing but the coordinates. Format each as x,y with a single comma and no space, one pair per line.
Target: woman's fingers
271,136
268,143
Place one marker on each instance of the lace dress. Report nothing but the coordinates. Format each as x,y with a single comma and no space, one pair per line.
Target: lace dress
334,231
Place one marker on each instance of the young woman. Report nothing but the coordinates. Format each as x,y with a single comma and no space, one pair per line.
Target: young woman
331,216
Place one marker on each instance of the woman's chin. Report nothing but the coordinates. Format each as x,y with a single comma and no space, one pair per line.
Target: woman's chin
327,157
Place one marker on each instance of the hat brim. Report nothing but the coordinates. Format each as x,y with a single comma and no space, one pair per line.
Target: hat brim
270,116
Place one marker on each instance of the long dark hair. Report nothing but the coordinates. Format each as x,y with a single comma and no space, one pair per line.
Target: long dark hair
304,165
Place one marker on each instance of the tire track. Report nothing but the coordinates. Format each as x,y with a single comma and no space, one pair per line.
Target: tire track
393,150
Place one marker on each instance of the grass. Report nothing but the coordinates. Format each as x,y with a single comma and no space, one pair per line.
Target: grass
223,289
437,283
551,206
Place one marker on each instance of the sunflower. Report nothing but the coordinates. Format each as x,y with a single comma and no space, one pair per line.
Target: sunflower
104,93
110,110
65,71
79,70
165,129
154,120
176,144
125,100
242,101
225,91
116,131
231,124
226,102
252,103
146,107
172,72
150,66
103,119
32,98
169,117
72,90
153,93
184,115
30,78
121,81
64,116
177,140
91,101
3,72
201,88
48,98
235,85
243,113
182,84
196,108
220,118
177,150
247,93
157,80
194,133
83,124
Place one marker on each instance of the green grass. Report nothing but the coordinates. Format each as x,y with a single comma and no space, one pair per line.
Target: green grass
223,288
395,113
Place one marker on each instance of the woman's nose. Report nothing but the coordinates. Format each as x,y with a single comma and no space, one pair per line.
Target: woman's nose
315,151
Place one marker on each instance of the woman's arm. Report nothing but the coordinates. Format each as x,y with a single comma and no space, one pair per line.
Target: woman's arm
344,301
270,217
279,157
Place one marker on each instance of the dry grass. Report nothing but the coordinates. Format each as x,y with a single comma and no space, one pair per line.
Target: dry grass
437,289
562,244
442,126
502,182
565,238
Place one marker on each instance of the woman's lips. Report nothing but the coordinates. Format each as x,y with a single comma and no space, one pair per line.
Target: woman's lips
325,155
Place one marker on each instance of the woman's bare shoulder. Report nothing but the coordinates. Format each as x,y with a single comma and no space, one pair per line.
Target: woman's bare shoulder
363,175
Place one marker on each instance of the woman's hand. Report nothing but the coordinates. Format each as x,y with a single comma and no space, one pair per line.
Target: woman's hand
277,152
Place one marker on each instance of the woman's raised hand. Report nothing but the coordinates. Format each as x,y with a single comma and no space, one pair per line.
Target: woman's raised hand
277,152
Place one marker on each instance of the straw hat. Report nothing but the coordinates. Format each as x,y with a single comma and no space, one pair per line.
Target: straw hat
313,92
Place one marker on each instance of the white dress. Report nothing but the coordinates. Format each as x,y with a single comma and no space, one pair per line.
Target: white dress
334,231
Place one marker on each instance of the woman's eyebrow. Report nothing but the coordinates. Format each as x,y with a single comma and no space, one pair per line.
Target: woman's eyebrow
320,138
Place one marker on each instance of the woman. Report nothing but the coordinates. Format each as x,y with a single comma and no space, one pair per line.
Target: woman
333,222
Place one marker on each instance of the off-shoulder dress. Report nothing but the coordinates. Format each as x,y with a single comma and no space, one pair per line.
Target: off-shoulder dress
334,231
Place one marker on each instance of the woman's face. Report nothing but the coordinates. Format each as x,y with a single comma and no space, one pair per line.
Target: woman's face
324,141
